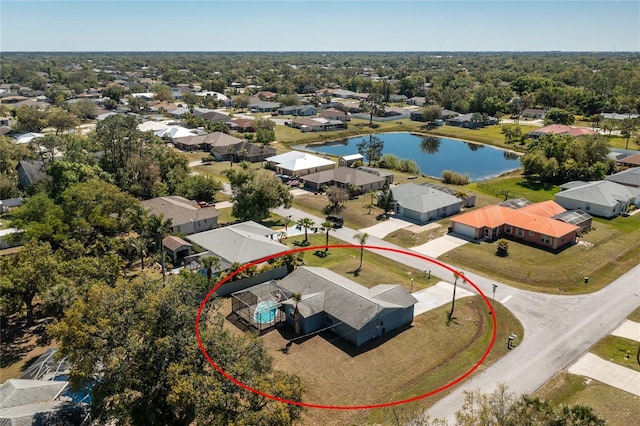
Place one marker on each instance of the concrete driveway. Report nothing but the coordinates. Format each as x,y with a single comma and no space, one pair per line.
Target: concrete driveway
440,246
437,295
607,372
384,228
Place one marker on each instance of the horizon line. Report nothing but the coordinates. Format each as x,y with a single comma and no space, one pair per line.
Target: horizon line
319,51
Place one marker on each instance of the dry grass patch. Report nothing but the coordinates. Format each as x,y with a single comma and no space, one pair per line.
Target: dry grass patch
336,373
356,214
618,407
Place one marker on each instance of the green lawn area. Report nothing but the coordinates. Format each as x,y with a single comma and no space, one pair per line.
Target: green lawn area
614,248
355,214
516,187
427,355
376,269
618,407
490,135
616,349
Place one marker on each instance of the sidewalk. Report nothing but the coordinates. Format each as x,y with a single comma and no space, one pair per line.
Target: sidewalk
607,372
628,329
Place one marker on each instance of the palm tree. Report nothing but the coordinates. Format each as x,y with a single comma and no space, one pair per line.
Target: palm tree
210,263
140,244
327,226
158,228
305,223
296,312
361,237
455,284
230,152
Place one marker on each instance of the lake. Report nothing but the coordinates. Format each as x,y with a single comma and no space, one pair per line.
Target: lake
435,154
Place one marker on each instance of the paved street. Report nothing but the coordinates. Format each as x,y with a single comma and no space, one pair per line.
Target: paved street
559,329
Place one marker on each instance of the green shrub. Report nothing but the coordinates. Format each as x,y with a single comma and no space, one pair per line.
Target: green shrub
454,178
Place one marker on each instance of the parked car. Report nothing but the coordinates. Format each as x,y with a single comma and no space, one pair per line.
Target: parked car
337,221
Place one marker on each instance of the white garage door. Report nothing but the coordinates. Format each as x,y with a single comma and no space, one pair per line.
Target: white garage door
466,230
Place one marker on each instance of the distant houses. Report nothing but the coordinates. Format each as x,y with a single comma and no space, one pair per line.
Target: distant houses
560,129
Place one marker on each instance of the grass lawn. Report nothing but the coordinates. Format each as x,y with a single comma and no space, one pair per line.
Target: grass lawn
618,407
516,186
376,269
355,214
490,135
613,247
616,349
411,362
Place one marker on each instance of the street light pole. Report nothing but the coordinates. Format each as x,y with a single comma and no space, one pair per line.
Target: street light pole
411,286
493,298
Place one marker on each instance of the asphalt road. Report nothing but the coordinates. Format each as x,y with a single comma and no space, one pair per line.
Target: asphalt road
558,329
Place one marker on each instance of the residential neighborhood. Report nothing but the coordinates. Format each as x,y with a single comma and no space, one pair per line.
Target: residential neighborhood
322,260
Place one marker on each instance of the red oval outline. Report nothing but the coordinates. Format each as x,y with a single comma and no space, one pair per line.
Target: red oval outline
344,407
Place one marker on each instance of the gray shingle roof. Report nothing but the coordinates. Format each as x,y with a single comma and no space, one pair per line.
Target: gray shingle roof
179,209
601,192
341,298
422,198
33,170
242,243
343,175
17,392
630,177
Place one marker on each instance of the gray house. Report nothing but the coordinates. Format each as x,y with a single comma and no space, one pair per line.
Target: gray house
299,110
186,215
30,172
421,203
629,177
600,198
239,243
354,312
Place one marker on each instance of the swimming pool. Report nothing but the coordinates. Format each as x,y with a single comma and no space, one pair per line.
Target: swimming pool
265,312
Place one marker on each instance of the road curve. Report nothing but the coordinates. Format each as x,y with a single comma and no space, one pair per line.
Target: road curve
558,329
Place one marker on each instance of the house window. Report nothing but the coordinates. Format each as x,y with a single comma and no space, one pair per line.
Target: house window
519,232
507,229
545,239
532,233
291,314
587,206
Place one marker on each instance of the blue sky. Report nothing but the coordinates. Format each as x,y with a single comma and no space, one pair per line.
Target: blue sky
304,25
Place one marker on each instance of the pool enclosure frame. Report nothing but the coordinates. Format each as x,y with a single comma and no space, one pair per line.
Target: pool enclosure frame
244,305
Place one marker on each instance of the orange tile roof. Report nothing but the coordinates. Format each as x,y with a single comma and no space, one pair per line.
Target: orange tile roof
545,208
494,216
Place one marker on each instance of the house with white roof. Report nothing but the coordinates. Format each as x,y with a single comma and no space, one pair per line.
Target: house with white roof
628,177
296,163
600,198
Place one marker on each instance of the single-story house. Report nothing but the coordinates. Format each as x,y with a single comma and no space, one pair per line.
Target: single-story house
176,248
343,177
600,198
316,124
187,216
242,151
619,117
39,402
531,224
350,106
9,203
215,117
397,98
468,121
242,125
343,93
630,160
387,175
417,100
299,110
30,172
534,113
334,114
304,165
348,160
178,112
354,312
258,105
273,161
421,203
27,137
206,142
174,132
266,95
628,177
560,129
4,121
240,243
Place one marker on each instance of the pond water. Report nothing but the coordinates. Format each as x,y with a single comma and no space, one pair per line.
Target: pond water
435,154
